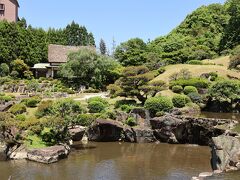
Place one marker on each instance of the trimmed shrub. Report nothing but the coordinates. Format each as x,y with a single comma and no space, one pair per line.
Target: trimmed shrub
96,107
190,89
126,108
158,104
85,119
196,82
179,101
5,98
119,103
18,109
31,102
177,89
131,121
99,99
195,97
20,117
44,109
161,70
195,62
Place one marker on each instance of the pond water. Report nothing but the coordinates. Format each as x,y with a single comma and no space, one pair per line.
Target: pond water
233,116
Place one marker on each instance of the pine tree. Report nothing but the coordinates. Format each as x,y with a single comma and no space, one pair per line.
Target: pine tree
102,46
91,40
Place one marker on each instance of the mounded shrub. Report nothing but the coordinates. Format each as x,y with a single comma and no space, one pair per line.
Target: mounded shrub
18,109
158,104
21,117
85,119
126,108
179,101
195,62
44,109
190,89
195,97
96,107
99,99
161,70
177,89
131,121
32,102
196,82
5,98
119,103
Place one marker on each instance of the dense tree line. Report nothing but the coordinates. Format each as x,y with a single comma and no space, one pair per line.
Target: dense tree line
208,32
22,41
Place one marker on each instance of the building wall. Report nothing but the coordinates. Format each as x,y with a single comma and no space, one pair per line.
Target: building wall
11,10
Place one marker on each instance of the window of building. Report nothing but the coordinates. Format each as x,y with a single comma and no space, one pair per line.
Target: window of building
2,7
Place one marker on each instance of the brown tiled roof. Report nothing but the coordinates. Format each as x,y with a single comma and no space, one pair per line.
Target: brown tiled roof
59,53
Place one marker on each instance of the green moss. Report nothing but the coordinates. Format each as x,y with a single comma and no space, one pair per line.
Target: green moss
34,142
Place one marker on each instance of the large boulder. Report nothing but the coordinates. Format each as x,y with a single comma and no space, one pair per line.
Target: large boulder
3,151
187,130
225,153
48,155
138,135
104,130
17,152
77,132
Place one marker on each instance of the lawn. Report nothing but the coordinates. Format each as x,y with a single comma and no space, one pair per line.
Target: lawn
220,67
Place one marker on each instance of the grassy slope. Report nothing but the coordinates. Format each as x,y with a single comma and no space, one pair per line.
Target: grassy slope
220,67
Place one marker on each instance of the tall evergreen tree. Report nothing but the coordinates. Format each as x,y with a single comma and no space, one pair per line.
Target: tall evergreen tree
91,40
103,47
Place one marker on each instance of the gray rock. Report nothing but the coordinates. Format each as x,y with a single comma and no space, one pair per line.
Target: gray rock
17,152
225,153
3,151
139,135
77,132
105,131
48,155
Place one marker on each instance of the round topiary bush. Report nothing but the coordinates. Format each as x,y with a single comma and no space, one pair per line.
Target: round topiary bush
131,121
85,119
96,107
195,97
31,102
190,89
18,109
179,101
177,89
158,104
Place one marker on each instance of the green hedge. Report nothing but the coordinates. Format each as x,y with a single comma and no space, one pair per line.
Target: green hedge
190,89
196,82
18,109
177,89
158,104
180,101
96,107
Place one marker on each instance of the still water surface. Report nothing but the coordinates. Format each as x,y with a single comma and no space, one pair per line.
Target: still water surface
114,161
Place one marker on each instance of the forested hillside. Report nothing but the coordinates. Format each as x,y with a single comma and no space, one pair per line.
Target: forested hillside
20,41
206,33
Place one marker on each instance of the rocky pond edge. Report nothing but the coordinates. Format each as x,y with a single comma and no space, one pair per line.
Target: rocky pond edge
173,129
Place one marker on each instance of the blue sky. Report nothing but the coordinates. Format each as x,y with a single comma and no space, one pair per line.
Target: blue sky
121,19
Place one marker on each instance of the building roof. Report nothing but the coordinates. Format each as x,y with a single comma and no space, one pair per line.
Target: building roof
59,53
16,1
41,66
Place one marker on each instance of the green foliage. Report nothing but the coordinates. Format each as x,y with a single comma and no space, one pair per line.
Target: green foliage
225,91
6,121
102,47
96,107
85,119
99,99
5,98
20,117
158,104
32,102
18,109
136,83
120,103
177,89
179,101
234,62
161,70
4,70
131,53
196,82
131,121
195,97
190,89
88,68
20,67
44,109
67,108
126,108
195,62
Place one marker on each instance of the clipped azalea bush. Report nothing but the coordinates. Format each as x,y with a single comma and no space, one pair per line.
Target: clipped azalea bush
18,109
158,104
96,107
180,101
177,89
190,89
